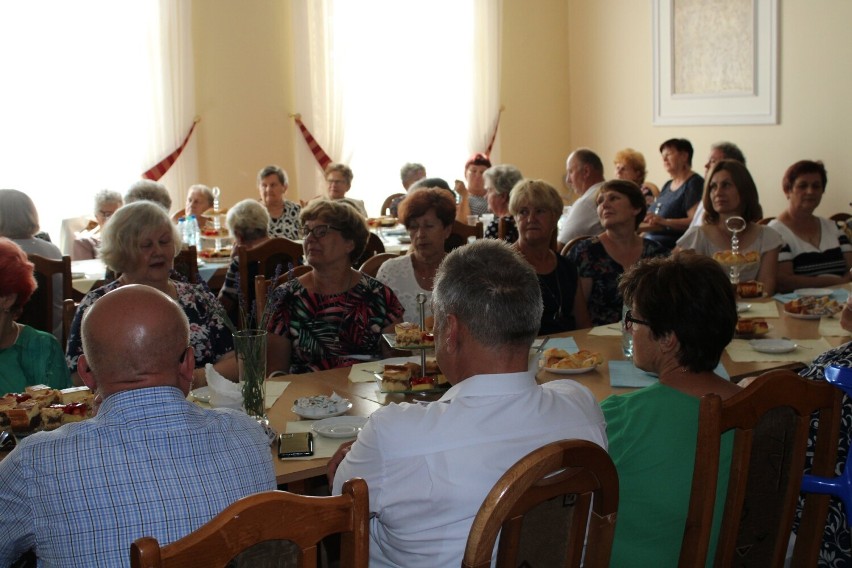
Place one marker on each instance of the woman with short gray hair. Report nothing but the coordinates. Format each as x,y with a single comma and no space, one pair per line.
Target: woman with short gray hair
248,222
88,241
499,181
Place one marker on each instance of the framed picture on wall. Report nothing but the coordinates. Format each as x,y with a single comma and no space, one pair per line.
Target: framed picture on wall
715,63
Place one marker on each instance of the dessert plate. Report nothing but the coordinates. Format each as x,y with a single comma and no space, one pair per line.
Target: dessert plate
814,292
774,346
743,307
340,427
324,408
579,371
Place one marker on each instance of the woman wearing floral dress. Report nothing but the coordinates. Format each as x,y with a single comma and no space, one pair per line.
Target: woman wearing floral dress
601,260
333,316
140,243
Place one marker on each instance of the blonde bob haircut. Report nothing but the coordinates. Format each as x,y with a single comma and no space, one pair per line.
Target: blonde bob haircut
18,215
535,193
121,236
346,218
634,159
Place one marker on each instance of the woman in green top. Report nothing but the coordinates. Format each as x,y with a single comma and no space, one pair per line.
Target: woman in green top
27,356
682,315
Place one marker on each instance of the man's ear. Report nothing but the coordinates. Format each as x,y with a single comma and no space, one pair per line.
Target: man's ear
185,369
85,373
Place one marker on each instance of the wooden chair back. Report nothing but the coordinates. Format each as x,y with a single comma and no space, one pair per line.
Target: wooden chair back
264,259
39,310
776,408
371,265
567,467
374,246
269,516
572,243
765,220
69,310
461,233
263,286
385,210
186,264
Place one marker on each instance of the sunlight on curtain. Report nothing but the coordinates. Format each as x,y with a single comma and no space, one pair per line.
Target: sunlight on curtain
386,82
87,99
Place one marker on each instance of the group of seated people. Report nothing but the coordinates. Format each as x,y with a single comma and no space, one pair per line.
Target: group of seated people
485,315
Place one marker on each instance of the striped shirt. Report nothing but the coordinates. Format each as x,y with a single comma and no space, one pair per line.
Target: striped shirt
809,260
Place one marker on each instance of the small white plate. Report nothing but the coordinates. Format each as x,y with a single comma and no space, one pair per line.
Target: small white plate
804,316
569,371
201,394
814,292
343,407
772,345
741,307
340,427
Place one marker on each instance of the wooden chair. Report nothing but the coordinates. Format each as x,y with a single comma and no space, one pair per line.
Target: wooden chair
371,265
461,233
39,311
69,310
572,243
784,402
374,246
264,259
385,210
567,467
186,264
765,220
262,286
270,516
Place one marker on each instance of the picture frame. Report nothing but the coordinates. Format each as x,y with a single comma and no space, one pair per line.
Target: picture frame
715,65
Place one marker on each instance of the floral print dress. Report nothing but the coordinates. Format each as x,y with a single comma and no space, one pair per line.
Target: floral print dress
326,329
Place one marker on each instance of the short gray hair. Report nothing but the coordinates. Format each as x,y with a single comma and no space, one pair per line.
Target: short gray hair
492,291
148,190
409,169
120,239
204,190
18,215
273,170
105,196
503,177
249,220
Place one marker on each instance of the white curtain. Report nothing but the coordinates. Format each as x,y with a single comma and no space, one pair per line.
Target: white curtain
382,82
94,93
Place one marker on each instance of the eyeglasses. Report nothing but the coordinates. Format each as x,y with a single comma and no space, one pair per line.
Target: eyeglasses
629,320
319,231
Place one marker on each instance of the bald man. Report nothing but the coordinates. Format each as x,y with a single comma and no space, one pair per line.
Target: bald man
149,464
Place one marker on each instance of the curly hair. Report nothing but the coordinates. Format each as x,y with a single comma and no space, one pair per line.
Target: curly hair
418,202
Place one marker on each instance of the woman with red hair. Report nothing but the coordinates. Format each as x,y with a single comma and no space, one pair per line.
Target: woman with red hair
27,356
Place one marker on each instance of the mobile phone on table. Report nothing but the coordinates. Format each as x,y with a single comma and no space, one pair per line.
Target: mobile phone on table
295,445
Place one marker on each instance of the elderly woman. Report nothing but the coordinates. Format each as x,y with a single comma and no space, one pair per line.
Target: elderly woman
428,214
87,242
682,315
339,178
19,222
536,206
248,222
333,316
672,211
283,214
471,192
815,251
149,190
140,243
731,192
601,260
27,356
499,181
630,165
199,199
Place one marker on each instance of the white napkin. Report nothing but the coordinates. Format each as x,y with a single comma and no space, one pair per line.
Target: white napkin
223,393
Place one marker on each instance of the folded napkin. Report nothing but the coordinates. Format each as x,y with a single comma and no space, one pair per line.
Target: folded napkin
839,295
223,393
830,327
611,330
323,447
626,374
274,389
760,310
741,352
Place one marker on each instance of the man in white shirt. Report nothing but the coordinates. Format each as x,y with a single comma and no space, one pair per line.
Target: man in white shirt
718,152
430,466
584,173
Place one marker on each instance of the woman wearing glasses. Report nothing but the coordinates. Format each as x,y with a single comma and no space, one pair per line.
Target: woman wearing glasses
682,315
333,316
428,215
536,207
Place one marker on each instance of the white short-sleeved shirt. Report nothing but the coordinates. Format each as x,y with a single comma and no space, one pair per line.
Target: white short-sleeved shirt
398,275
696,239
582,219
429,466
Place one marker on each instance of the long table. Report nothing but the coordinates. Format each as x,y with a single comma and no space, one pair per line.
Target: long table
367,398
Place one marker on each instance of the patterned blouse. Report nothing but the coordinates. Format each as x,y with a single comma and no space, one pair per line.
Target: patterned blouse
324,330
593,262
287,225
208,335
836,540
492,231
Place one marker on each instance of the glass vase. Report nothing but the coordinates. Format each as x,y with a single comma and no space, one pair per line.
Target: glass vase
250,347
